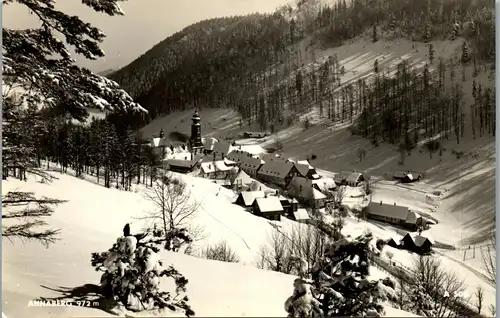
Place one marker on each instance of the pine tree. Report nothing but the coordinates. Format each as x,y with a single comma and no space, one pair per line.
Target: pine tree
465,53
431,53
475,71
338,285
39,65
375,33
132,272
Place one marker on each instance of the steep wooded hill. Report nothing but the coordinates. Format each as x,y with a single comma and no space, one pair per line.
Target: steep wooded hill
247,62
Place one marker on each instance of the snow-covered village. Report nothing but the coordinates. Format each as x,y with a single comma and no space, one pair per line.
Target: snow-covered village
304,158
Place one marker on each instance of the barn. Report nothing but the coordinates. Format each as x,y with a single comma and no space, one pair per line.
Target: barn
419,243
394,214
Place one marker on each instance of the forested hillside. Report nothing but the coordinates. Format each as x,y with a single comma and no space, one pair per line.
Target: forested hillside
225,62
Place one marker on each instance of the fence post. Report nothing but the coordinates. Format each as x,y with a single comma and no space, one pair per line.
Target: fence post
474,251
465,252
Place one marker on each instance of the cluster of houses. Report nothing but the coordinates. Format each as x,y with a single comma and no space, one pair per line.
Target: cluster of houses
420,243
249,174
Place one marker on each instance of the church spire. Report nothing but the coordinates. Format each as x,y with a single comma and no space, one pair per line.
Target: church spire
196,131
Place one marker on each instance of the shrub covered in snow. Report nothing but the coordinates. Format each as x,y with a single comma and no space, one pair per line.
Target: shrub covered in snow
132,271
338,284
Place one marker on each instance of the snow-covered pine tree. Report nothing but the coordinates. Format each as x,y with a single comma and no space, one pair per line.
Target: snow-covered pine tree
132,272
338,286
38,71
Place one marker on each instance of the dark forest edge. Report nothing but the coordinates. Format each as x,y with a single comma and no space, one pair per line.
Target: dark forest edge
253,64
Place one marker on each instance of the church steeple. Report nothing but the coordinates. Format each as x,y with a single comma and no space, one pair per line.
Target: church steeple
196,132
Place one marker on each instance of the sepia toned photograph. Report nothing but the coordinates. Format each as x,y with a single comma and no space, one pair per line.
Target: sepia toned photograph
248,158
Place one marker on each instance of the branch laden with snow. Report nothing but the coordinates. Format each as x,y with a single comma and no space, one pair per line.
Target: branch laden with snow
27,211
338,284
132,271
38,62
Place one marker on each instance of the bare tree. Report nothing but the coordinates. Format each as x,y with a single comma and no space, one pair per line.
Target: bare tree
443,287
25,212
480,298
490,261
173,207
337,196
220,252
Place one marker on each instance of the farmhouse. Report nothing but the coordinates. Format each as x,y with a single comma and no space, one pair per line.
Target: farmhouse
159,144
209,144
289,205
241,180
182,166
308,191
277,171
222,149
250,134
394,214
300,215
246,198
418,243
307,171
268,207
215,169
354,179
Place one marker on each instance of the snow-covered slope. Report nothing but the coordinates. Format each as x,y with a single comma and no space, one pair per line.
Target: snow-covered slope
90,222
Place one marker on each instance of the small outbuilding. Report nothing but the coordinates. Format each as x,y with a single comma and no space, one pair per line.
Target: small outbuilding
417,242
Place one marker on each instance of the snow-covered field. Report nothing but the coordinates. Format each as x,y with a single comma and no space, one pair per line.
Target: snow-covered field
91,221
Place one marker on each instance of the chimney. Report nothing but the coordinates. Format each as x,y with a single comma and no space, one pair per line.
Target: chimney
380,202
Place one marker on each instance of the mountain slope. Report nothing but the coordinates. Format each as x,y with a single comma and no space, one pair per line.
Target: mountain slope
232,61
88,224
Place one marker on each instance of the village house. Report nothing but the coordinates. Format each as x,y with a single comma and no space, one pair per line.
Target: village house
277,171
300,216
354,179
417,242
306,170
410,177
394,214
251,165
289,205
241,181
182,166
268,207
222,149
159,145
307,191
250,134
237,155
215,169
209,144
246,198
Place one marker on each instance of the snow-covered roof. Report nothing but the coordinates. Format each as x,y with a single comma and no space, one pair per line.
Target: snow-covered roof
222,147
181,163
159,142
388,210
301,214
209,142
303,168
219,165
317,195
353,177
251,163
242,178
269,204
250,196
276,168
325,183
419,239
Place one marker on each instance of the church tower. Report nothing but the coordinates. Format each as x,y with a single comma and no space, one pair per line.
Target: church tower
196,143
